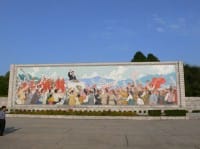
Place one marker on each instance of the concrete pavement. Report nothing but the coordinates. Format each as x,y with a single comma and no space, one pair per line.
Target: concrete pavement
43,133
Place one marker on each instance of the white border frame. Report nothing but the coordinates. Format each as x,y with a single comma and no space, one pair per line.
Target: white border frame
179,79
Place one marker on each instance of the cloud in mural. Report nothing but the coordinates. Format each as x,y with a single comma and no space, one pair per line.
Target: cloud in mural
94,74
162,70
154,70
54,75
34,71
117,74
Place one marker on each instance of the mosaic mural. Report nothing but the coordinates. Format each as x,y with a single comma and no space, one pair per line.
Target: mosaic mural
97,85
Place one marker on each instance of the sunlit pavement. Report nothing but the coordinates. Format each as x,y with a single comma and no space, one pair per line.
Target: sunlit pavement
42,133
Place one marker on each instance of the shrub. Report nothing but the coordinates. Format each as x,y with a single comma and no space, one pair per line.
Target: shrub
196,111
154,112
175,112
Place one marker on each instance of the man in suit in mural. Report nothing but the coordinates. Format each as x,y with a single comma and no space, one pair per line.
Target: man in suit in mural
71,75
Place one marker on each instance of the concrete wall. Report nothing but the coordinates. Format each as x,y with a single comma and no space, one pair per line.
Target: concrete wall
3,101
192,103
183,102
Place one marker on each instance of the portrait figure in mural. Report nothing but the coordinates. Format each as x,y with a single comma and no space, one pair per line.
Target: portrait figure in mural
72,76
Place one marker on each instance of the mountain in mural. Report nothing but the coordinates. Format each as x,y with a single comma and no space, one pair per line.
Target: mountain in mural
28,76
170,80
96,80
124,82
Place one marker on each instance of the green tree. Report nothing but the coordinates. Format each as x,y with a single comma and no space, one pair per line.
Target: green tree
192,80
139,57
4,81
152,58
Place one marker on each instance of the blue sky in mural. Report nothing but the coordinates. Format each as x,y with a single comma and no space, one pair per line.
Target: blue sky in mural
76,31
102,74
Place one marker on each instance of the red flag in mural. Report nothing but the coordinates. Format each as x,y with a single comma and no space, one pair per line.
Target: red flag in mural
156,82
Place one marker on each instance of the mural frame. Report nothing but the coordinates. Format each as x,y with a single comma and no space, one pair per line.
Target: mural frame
179,80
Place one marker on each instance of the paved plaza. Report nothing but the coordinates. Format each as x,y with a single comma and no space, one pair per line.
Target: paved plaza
52,133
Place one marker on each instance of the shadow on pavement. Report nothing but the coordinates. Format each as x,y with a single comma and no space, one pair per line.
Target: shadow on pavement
10,130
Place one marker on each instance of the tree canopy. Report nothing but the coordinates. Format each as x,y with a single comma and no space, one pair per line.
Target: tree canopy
4,82
140,57
192,80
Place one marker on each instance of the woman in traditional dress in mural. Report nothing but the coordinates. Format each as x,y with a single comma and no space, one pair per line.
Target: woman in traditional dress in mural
139,100
130,98
72,100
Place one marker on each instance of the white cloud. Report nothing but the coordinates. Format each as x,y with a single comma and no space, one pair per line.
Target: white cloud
116,74
174,26
94,74
162,25
159,20
160,29
155,70
36,69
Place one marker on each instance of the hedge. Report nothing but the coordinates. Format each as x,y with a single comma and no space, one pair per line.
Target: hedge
175,112
154,112
72,112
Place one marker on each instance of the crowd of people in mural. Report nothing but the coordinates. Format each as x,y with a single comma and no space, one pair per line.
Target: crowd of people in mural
71,92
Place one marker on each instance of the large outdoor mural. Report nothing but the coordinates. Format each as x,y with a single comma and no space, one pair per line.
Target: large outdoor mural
97,85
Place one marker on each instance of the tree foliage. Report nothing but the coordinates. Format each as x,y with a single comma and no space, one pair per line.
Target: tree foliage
140,57
192,80
4,81
152,58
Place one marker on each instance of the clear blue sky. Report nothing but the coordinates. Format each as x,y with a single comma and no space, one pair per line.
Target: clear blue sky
75,31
